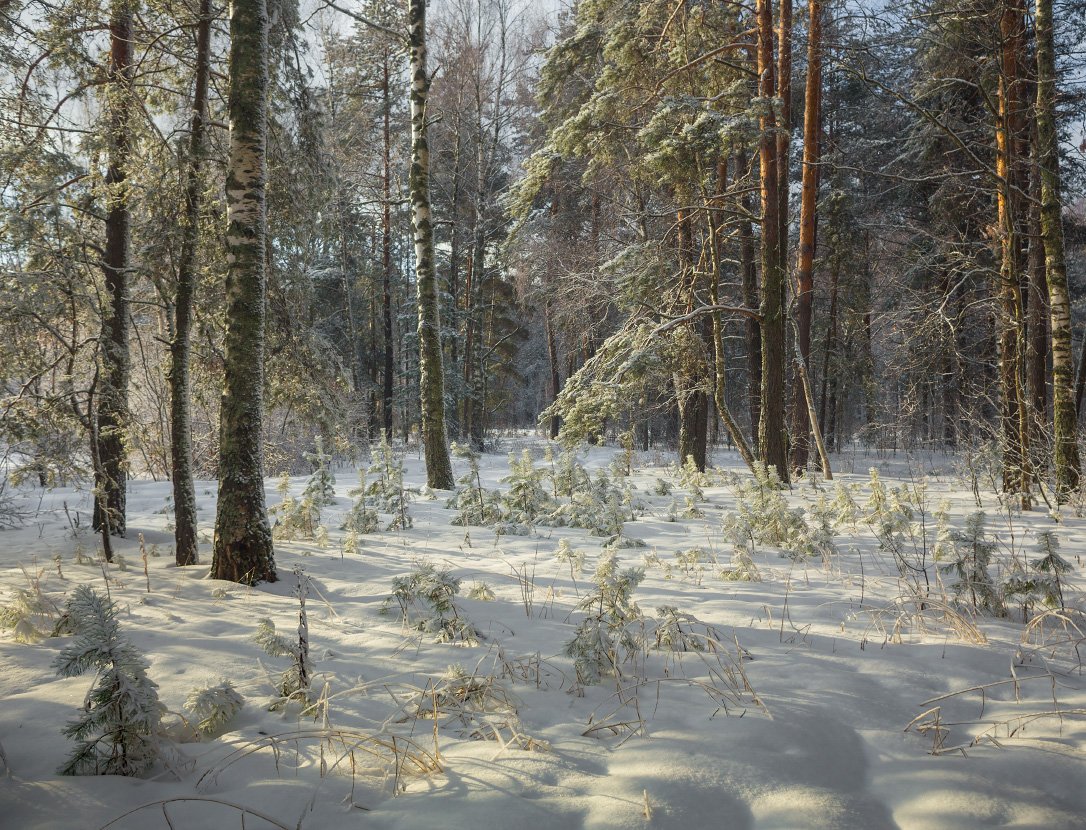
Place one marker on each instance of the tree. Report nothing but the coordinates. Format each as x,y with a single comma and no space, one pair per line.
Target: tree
186,547
432,379
1010,136
243,542
808,225
1068,467
111,416
772,434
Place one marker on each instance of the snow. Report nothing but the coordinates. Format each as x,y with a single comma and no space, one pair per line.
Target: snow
836,661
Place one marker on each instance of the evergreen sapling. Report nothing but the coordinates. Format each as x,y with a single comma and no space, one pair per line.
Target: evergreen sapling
116,733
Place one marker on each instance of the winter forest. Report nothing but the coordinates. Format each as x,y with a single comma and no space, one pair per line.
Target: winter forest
595,414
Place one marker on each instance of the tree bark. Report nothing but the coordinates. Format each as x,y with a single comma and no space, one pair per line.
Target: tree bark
784,132
111,473
1017,476
773,438
750,300
1037,320
1066,461
186,546
808,225
555,377
243,542
387,395
431,373
715,220
829,361
689,380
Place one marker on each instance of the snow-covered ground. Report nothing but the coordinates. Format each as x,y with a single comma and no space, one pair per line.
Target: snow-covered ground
793,714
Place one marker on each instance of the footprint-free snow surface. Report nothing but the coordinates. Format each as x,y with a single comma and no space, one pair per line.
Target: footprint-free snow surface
848,685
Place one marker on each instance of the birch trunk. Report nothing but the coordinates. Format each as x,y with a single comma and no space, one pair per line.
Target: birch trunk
431,374
243,542
1065,445
387,394
1009,129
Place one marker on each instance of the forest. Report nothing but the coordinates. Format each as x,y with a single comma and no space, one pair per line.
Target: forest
772,313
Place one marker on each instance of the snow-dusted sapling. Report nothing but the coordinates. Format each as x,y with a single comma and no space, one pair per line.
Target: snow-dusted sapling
214,705
426,598
606,637
525,500
763,517
295,682
1040,583
387,492
361,518
322,483
970,556
116,733
301,517
475,505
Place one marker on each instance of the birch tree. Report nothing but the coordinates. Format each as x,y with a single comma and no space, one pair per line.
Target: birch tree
243,541
432,380
1066,461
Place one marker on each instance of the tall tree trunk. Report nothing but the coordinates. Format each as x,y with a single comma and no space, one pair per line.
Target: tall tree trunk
388,392
1066,461
243,542
950,376
472,425
690,378
772,435
753,332
467,422
1009,129
457,417
111,472
1037,322
552,357
716,219
808,225
435,441
784,134
186,546
829,361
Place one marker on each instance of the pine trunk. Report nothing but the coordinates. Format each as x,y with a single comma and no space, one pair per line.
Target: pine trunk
186,547
1017,477
431,373
243,542
808,224
772,435
111,471
784,133
1037,322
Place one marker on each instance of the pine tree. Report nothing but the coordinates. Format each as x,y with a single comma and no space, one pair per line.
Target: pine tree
116,733
112,415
